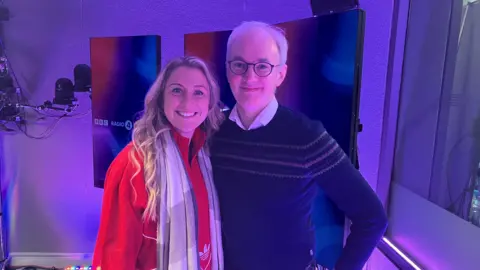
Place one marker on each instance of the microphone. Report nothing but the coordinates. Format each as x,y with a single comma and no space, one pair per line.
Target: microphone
82,75
64,92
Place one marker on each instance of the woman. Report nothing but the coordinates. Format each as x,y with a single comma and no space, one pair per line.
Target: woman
160,208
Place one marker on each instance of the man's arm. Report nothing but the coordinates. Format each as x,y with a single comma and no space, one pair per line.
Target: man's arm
347,188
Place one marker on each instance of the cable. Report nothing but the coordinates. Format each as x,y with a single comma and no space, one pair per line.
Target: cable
473,170
448,171
461,197
49,131
33,267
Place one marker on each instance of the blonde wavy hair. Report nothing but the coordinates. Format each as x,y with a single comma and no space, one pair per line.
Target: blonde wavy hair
147,129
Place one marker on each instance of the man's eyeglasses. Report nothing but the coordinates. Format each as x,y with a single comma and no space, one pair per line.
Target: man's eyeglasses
239,67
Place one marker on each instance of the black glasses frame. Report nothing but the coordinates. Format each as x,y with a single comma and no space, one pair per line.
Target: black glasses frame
253,65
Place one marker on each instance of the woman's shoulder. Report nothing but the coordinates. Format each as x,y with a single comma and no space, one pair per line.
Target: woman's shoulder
125,179
124,166
125,156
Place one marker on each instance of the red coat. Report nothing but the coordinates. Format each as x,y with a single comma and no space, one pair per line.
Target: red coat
124,240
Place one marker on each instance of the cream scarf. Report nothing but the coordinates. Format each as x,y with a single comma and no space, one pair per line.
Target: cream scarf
177,231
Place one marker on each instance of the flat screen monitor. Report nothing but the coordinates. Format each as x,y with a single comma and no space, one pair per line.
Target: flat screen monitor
123,69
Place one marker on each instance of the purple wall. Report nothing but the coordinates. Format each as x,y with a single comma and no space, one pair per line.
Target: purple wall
53,207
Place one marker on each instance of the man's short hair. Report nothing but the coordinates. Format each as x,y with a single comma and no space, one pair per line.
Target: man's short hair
275,32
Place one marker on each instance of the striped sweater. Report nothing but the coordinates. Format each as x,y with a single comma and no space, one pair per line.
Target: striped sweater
267,179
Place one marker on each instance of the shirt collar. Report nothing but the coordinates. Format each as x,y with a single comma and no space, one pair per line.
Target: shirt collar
262,119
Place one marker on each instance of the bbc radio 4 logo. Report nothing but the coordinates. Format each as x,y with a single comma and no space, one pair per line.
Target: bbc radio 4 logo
128,125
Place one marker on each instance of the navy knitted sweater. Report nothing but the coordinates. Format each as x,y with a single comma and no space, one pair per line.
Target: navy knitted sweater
267,179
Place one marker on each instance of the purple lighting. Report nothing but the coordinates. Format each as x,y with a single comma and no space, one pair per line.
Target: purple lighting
403,255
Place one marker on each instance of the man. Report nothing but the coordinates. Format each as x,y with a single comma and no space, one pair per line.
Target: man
269,162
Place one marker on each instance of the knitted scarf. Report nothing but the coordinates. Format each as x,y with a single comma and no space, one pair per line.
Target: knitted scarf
177,223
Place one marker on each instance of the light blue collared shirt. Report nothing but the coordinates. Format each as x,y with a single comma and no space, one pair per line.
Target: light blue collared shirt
262,119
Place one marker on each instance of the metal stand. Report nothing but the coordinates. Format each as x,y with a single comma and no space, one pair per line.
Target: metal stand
3,253
4,259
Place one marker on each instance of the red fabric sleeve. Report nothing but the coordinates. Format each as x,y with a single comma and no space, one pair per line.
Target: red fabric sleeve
120,234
